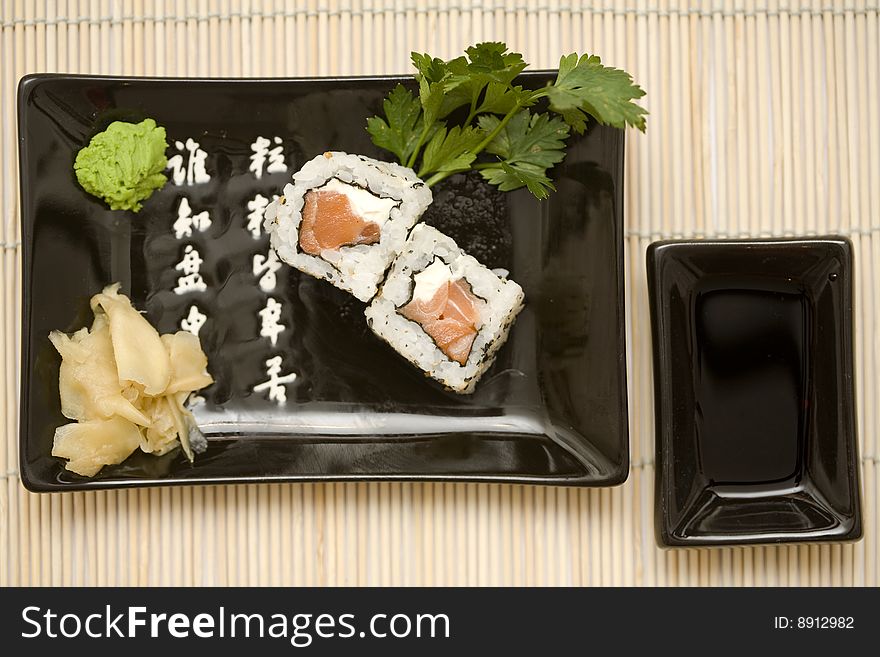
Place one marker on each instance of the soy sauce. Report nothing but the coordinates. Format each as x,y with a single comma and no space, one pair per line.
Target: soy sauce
752,364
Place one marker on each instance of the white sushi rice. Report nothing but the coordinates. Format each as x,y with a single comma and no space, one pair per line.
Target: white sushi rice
503,300
360,268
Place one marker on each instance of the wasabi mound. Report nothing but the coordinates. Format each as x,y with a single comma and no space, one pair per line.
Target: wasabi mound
123,165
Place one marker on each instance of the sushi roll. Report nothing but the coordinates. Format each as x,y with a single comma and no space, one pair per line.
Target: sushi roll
444,311
344,219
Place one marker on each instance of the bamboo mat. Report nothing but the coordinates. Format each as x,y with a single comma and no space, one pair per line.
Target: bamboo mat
765,120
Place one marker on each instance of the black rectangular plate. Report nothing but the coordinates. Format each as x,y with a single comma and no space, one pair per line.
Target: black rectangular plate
755,410
551,410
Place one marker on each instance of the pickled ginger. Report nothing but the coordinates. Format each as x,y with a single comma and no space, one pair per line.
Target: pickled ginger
126,387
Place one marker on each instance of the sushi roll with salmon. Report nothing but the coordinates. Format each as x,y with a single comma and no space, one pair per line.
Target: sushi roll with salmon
444,311
345,218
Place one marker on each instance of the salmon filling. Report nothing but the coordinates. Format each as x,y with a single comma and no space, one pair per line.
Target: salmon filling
329,222
450,317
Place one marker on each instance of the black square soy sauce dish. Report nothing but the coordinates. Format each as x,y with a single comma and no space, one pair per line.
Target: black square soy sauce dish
552,410
754,399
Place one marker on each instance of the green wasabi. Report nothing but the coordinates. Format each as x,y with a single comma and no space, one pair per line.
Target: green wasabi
123,165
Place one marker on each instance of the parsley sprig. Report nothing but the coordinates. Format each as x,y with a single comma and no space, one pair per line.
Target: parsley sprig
519,144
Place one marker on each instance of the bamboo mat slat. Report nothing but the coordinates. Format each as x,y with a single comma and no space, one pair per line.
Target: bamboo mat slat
765,120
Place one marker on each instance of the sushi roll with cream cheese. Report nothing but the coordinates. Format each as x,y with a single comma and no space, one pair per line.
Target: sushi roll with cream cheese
444,311
345,218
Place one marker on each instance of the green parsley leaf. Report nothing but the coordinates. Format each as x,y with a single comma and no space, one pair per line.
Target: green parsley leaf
584,86
487,56
450,151
431,97
492,61
501,99
457,88
534,138
398,132
513,176
528,145
443,79
432,69
486,64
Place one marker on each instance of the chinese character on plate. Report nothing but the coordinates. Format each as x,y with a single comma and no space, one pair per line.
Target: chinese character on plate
276,382
188,166
256,207
194,321
192,281
265,267
270,326
262,151
186,220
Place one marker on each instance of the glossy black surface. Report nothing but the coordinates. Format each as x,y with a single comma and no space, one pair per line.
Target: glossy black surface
754,399
551,410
